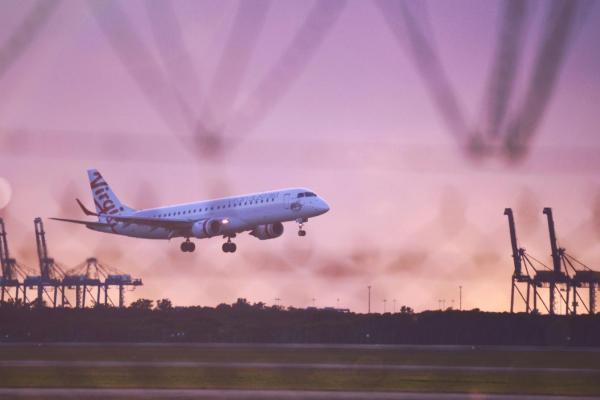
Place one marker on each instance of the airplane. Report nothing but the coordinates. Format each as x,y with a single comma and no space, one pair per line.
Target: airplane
261,214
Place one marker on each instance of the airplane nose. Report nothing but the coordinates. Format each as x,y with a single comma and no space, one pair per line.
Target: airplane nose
323,206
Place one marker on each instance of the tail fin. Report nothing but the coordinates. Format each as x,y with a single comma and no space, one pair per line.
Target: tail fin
104,198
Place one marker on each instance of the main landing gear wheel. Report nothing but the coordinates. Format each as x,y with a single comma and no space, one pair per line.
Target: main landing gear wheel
229,247
187,246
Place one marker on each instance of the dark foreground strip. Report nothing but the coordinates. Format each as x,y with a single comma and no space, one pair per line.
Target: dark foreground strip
262,365
261,394
297,346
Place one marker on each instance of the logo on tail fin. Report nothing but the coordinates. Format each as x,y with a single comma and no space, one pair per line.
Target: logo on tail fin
106,201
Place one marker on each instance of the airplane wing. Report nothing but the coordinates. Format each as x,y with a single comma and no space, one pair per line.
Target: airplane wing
87,223
155,222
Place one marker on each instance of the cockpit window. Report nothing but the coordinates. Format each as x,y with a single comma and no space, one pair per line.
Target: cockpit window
310,194
300,195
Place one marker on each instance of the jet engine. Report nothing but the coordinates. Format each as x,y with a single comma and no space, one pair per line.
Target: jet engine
268,231
207,228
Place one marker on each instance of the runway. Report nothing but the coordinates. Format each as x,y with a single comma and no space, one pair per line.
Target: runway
274,365
260,394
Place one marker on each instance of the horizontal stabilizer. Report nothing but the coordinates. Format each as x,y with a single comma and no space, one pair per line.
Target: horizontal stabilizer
86,223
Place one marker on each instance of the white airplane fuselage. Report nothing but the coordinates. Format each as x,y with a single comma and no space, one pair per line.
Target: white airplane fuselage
241,213
261,214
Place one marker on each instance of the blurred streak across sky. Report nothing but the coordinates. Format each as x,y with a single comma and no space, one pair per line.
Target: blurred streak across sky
358,100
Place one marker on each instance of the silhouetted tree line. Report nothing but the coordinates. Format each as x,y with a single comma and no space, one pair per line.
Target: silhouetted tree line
245,322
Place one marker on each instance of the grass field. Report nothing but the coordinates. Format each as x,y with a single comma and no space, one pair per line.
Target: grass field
517,381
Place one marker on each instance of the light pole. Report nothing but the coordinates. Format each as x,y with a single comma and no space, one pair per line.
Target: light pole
369,301
460,298
384,304
313,301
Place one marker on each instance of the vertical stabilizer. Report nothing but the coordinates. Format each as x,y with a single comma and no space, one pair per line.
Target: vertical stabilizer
105,200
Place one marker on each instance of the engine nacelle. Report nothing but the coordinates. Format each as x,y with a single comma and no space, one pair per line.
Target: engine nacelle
207,228
268,231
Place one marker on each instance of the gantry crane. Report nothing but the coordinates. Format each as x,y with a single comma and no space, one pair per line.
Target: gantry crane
93,273
50,273
520,262
563,275
9,277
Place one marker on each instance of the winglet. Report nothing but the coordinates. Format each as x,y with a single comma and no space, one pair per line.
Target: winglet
84,209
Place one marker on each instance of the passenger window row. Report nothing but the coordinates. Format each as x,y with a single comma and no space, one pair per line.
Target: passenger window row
196,210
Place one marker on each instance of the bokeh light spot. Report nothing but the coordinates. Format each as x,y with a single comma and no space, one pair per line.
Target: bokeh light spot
5,193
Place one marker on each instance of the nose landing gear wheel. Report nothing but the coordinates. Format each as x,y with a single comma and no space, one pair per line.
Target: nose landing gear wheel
187,246
301,231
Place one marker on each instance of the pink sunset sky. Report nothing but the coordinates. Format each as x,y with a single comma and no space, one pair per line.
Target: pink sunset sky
340,97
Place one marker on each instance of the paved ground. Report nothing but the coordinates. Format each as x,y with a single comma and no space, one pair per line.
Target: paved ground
141,393
258,394
273,365
313,346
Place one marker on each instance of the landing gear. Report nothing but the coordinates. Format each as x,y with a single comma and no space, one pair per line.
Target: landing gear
187,246
229,246
301,221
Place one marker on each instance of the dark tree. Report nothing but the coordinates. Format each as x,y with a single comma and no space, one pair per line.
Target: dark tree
164,305
141,304
406,310
241,304
244,322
